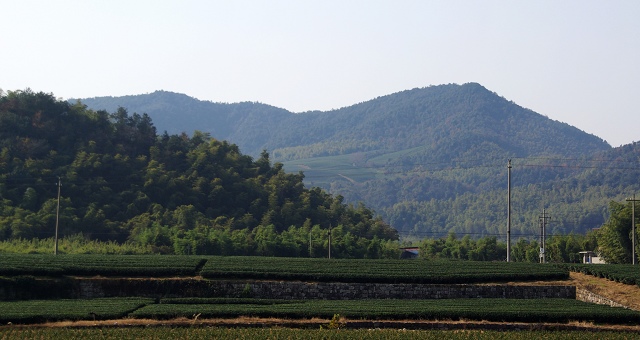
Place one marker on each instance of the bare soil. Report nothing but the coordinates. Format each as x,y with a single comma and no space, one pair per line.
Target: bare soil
627,295
249,322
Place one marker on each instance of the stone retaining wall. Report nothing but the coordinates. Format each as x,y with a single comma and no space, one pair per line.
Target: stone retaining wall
92,288
587,296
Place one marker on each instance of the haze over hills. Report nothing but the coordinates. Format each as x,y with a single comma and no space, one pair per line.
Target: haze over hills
429,160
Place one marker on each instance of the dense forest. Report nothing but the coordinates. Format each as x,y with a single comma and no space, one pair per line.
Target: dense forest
121,181
429,161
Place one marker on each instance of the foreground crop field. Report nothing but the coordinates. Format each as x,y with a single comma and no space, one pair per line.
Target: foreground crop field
196,274
281,333
501,310
508,310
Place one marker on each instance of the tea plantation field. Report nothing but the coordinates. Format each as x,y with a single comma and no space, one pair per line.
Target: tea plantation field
277,268
154,268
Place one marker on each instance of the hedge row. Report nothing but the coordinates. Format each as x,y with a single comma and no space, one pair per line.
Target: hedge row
278,268
104,265
37,311
623,273
379,271
534,310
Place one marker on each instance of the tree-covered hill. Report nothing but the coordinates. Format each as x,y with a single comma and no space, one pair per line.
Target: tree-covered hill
438,123
247,124
428,160
177,193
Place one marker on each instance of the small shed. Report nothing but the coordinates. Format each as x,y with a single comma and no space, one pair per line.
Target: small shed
409,253
591,257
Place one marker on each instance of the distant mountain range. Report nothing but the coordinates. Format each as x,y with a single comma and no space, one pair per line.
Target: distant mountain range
429,160
425,117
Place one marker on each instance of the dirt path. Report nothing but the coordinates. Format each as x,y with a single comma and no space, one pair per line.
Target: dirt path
315,323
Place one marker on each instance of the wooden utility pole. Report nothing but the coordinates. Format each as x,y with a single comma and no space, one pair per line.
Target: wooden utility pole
633,201
55,250
509,211
329,232
543,235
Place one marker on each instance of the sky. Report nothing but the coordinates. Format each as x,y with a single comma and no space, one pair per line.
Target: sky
573,61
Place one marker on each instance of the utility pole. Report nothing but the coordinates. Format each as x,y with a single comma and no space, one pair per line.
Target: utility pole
633,227
543,235
509,211
541,252
329,232
55,250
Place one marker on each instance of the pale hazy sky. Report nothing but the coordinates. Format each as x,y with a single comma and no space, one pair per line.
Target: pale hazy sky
573,61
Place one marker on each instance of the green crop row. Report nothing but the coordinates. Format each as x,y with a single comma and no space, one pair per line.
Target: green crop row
623,273
105,265
141,333
279,268
33,311
526,310
222,301
382,271
508,310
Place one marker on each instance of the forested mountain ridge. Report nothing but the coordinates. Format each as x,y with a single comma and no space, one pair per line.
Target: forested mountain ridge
446,123
446,119
176,113
429,160
179,194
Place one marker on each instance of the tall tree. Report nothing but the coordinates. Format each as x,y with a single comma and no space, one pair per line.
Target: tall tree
614,238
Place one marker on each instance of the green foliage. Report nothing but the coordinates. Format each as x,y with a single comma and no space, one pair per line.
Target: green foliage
172,194
336,322
526,310
614,238
429,160
559,248
382,271
89,265
277,268
32,311
73,244
623,273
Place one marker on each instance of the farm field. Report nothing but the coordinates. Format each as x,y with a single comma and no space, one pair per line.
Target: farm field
278,268
499,310
35,311
623,273
104,265
15,268
283,333
383,271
